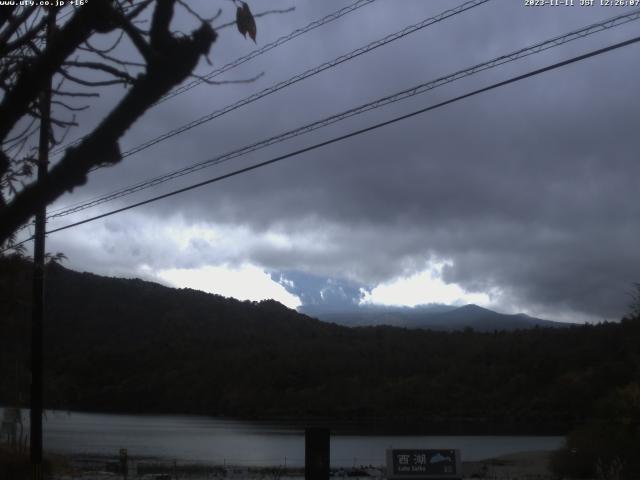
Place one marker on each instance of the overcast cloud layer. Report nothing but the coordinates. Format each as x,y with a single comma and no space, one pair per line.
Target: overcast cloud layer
526,196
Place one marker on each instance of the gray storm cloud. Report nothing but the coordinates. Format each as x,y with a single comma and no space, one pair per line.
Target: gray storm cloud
530,189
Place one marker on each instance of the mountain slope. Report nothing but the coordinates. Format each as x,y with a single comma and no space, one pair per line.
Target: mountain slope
132,346
433,317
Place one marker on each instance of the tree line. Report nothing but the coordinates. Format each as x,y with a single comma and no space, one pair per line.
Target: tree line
123,345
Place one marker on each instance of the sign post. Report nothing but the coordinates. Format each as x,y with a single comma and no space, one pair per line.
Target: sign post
316,454
443,464
124,463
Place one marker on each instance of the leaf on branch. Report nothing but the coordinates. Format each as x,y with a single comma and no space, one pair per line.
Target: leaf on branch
245,21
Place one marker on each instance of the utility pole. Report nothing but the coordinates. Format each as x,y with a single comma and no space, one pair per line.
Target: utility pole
37,313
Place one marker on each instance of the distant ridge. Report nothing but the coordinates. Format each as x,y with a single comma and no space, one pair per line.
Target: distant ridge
432,317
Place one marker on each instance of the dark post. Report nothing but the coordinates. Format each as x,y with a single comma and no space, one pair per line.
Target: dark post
124,463
37,312
316,454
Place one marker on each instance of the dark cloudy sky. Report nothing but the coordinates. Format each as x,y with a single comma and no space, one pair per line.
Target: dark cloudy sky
523,199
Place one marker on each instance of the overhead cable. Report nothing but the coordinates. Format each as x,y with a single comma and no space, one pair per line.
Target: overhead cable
346,136
251,55
402,95
302,76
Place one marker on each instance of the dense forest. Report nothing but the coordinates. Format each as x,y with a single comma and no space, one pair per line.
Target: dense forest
122,345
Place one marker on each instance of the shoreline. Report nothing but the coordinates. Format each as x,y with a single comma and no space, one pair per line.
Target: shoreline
373,425
527,465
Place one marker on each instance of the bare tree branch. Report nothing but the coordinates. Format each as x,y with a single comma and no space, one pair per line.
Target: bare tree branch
195,14
103,67
24,39
69,107
138,9
125,79
32,79
115,60
13,25
28,60
136,38
94,49
172,60
22,133
5,14
62,93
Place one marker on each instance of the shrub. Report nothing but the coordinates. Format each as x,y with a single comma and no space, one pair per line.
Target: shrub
607,448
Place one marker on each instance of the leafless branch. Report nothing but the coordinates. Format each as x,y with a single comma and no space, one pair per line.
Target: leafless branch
22,133
124,76
69,107
138,8
13,24
5,14
115,60
24,39
31,80
92,48
57,122
62,93
136,38
70,53
170,61
195,14
92,83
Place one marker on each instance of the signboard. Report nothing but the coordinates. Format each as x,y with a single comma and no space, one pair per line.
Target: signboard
428,464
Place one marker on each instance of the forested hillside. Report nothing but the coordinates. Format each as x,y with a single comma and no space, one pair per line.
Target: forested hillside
133,346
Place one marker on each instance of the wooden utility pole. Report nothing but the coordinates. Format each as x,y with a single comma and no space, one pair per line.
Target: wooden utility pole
37,313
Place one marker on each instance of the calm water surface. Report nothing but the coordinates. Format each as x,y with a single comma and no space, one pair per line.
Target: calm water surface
215,440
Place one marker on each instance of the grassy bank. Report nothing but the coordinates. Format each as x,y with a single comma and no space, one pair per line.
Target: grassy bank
15,465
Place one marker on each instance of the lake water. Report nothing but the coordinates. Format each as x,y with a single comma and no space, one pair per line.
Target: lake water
201,439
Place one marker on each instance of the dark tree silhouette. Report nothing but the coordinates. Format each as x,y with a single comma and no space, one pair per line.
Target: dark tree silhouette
132,346
77,67
634,306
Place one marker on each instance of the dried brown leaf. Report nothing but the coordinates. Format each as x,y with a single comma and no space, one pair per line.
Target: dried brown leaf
245,21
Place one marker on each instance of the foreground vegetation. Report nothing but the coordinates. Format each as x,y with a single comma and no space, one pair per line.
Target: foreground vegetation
607,446
15,465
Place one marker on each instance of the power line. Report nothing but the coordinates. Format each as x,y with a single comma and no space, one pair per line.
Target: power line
270,46
419,89
251,55
309,73
304,75
274,88
376,126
